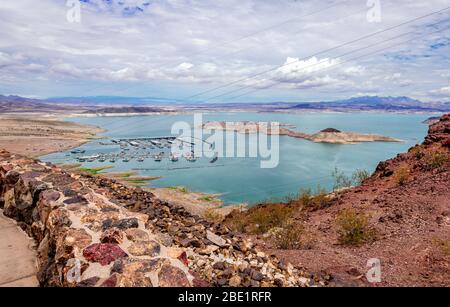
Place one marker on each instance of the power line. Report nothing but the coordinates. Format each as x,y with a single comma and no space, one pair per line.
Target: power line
256,32
340,63
318,53
318,63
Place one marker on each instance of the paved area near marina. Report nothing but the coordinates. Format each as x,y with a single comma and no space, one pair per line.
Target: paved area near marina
17,256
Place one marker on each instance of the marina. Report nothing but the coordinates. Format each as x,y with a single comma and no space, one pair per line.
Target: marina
142,149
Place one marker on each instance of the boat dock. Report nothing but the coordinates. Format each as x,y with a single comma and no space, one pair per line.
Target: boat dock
142,148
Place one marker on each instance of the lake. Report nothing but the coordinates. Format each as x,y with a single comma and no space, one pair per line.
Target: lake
303,164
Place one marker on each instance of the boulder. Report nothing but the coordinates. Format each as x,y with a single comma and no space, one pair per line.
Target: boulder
219,241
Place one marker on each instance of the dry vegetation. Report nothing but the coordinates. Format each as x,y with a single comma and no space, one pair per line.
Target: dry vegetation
436,159
293,236
401,175
277,220
353,228
259,219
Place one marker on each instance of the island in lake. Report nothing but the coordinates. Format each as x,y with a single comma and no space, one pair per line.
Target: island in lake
328,135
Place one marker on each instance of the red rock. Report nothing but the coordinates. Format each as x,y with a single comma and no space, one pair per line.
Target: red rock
104,253
183,258
110,282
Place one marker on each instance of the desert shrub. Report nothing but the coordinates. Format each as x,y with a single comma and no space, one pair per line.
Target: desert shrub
236,220
443,245
359,176
213,216
308,200
353,228
435,160
303,199
417,152
259,219
340,179
321,199
401,175
269,217
293,236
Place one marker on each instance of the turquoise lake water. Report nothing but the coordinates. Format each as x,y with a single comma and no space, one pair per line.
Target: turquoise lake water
303,164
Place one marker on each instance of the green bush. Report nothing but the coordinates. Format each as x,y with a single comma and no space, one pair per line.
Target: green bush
359,176
353,228
340,180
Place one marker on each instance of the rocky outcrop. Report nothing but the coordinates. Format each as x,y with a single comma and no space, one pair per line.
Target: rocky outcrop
439,132
94,231
430,156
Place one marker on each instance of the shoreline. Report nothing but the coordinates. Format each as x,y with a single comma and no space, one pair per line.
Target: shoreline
209,111
192,200
329,135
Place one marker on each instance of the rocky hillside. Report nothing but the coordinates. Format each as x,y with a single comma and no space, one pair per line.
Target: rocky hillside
399,215
93,231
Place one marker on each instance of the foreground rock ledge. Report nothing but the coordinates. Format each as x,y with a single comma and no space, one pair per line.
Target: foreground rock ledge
93,231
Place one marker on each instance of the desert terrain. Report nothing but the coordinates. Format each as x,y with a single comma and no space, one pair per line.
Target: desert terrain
33,137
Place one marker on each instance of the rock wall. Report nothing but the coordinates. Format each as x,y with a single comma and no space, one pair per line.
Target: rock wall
115,235
83,238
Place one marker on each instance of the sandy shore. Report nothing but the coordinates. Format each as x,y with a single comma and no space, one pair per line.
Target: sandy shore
37,136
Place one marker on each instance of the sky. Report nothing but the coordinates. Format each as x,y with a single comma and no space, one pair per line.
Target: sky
213,51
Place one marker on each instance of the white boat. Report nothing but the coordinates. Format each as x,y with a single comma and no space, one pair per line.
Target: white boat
78,151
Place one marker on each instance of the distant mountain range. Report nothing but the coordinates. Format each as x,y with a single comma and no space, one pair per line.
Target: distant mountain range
113,104
376,103
19,104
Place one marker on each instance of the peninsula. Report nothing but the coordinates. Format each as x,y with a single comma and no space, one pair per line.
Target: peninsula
328,135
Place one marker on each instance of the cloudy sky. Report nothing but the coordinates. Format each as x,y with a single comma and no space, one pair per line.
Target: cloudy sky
225,50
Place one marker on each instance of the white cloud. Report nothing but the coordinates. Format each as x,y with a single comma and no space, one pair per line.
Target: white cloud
443,92
183,42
